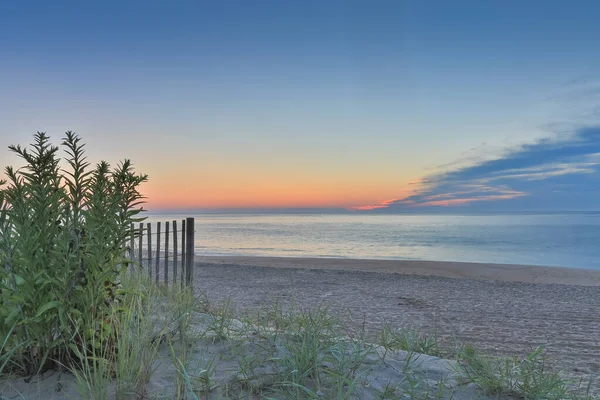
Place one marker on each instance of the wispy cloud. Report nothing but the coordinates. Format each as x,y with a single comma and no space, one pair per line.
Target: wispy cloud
540,171
383,204
560,170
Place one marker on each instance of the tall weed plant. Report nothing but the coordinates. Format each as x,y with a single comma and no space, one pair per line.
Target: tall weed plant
64,229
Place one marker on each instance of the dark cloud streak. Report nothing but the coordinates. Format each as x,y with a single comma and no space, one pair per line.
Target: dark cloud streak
552,173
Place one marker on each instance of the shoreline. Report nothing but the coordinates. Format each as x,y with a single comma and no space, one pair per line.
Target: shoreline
446,269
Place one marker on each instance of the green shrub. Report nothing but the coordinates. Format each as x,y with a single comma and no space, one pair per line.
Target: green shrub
64,230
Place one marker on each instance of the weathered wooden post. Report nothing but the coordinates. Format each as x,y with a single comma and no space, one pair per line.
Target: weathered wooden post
189,257
140,243
175,266
132,242
182,253
167,253
149,227
157,251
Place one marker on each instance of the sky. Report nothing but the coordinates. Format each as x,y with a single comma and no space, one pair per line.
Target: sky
372,106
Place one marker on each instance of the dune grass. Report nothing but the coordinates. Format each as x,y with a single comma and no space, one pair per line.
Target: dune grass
277,353
527,378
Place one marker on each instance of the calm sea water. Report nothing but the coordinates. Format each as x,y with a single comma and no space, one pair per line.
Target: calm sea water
569,240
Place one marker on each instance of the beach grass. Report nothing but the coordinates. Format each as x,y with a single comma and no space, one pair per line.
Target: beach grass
281,353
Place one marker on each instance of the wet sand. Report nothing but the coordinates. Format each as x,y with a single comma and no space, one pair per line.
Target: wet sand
501,272
502,309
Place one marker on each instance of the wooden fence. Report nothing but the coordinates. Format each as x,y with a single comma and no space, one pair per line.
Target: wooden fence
157,250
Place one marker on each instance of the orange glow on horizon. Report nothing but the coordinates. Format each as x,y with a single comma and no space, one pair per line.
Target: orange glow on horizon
383,204
439,203
171,196
246,180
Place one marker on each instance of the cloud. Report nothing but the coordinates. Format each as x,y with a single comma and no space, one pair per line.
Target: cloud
559,171
383,204
552,173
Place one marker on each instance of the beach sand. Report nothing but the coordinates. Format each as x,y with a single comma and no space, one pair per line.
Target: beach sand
447,269
501,309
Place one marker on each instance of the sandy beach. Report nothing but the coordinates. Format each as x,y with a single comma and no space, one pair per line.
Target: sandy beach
447,269
502,309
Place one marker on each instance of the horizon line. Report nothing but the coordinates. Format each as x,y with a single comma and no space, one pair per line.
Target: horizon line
319,210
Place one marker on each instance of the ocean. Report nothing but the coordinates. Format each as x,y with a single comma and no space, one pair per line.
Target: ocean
566,240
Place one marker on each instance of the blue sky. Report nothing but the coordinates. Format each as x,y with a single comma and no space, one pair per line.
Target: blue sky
335,104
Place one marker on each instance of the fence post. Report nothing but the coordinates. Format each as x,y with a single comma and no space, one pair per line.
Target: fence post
167,253
140,239
182,253
128,254
189,257
149,226
131,242
175,253
157,251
